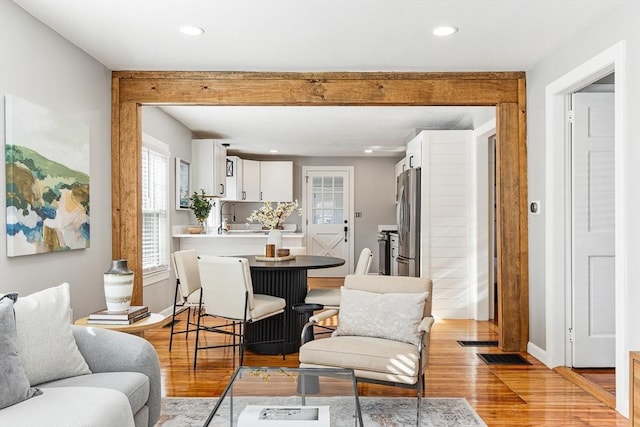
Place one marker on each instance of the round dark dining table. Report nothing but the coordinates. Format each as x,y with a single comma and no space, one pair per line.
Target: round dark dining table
288,280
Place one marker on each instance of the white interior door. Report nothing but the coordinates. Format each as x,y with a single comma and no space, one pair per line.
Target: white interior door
593,243
328,194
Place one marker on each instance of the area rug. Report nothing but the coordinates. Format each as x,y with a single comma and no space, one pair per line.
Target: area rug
386,412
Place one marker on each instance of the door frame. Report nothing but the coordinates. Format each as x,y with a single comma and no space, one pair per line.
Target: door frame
482,219
351,232
557,231
506,91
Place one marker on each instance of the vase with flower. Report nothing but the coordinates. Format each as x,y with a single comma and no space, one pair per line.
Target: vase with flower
273,217
201,207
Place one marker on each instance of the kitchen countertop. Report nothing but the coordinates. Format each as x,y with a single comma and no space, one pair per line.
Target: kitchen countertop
236,235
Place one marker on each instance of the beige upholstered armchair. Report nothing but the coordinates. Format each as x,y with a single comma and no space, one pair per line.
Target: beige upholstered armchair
383,332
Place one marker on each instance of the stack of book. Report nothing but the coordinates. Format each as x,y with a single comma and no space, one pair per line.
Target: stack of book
127,317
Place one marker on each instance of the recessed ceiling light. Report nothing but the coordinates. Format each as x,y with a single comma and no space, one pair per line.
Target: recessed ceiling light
444,30
190,30
273,151
368,151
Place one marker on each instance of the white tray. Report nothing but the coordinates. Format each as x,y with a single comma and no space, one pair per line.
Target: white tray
275,259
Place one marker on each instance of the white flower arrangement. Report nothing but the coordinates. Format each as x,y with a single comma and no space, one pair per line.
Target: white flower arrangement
272,218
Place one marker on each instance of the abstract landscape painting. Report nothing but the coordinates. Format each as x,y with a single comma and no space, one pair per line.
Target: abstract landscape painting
47,180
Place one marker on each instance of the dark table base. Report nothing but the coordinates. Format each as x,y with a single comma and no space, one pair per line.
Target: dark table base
290,285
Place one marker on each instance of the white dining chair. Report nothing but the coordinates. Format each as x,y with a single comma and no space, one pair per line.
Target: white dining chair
187,293
227,293
330,297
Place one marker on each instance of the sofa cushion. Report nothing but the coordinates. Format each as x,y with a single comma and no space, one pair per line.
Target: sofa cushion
393,316
134,385
391,359
46,346
71,407
14,384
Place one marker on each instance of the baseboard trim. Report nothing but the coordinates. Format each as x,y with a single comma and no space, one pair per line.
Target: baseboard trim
538,353
593,389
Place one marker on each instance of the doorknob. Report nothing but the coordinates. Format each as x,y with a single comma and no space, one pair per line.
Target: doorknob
345,231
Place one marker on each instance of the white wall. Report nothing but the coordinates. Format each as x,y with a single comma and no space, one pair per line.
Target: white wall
618,25
38,65
374,195
165,128
446,206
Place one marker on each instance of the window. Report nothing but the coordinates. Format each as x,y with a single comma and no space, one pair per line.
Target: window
155,210
327,194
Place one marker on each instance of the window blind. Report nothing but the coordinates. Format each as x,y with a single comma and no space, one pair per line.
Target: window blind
155,205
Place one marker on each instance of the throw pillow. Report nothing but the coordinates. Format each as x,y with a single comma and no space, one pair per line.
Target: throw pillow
394,316
14,385
46,345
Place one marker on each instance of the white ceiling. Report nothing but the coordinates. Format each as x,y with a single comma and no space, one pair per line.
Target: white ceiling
323,131
318,35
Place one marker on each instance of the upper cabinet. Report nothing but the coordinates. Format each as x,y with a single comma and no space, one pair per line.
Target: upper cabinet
209,167
243,179
414,152
276,181
256,181
251,180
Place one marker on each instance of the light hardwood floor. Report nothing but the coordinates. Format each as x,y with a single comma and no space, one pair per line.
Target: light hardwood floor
530,395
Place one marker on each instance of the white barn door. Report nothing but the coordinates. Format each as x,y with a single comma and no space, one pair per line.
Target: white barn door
328,224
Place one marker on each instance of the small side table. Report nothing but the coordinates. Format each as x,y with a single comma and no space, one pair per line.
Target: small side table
137,328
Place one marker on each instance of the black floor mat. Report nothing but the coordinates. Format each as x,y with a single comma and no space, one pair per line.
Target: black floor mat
503,359
478,343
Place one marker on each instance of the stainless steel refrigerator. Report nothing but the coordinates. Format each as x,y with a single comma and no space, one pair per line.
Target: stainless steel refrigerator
408,217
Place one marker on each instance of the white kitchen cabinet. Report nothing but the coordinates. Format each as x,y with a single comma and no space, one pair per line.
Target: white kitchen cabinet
209,163
414,151
276,181
234,178
243,179
251,180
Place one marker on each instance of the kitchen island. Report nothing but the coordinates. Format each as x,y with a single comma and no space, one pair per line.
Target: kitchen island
236,242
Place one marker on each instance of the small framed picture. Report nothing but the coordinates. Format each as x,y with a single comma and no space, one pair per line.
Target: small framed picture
183,184
229,167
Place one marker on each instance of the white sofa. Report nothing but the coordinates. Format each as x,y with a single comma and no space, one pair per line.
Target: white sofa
101,377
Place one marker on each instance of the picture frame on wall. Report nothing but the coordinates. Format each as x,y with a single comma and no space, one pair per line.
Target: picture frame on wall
47,180
229,168
183,184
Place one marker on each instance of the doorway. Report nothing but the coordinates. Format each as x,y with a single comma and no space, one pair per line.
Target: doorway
504,90
327,193
558,232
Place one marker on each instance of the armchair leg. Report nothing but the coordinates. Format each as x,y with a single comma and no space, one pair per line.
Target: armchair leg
419,402
243,328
